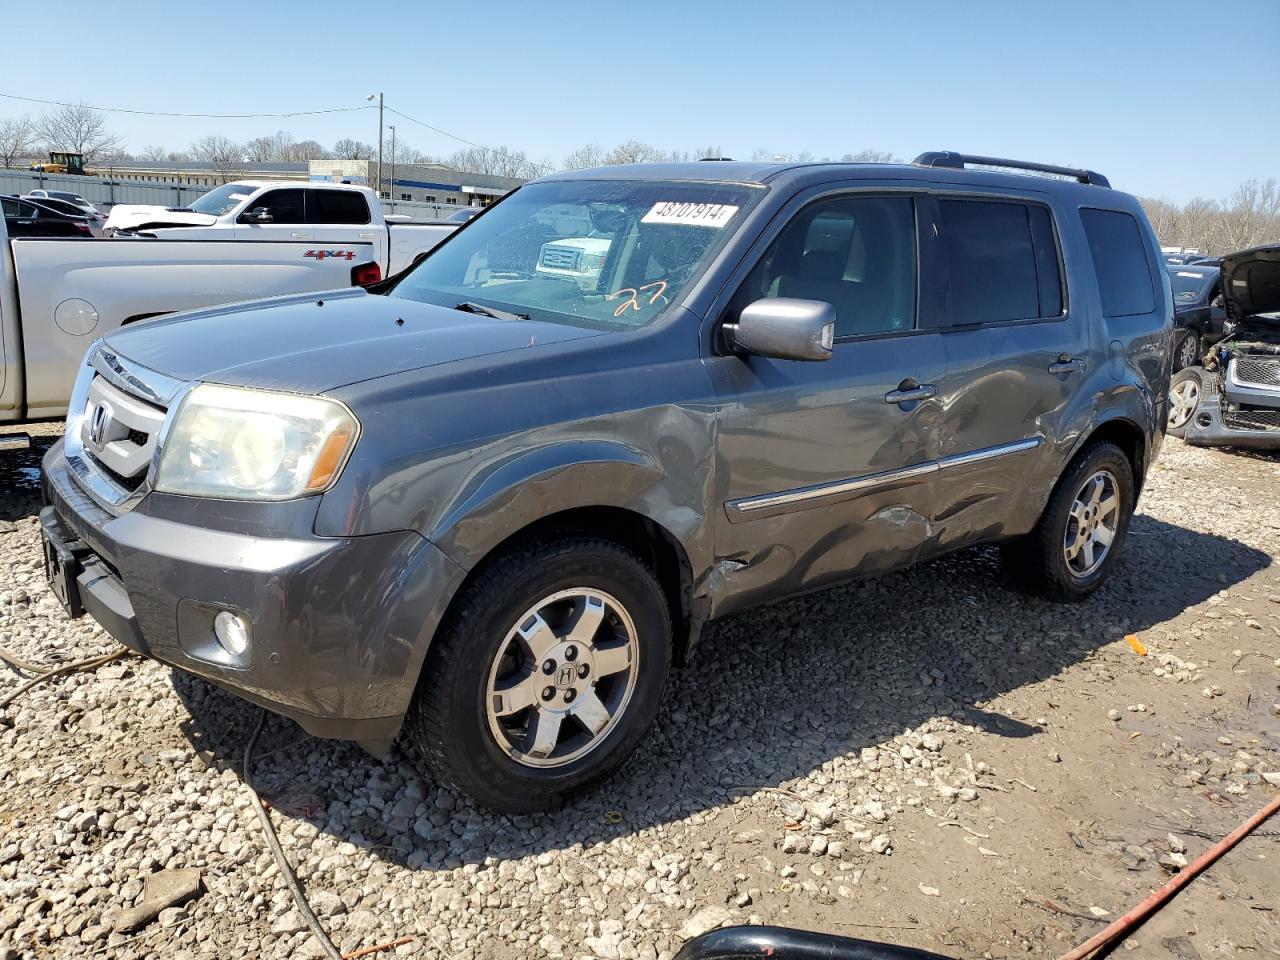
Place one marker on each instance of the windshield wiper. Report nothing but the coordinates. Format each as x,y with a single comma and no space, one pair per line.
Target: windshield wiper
470,306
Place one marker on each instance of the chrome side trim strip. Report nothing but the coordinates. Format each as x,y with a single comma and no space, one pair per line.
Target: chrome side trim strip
819,490
872,481
989,453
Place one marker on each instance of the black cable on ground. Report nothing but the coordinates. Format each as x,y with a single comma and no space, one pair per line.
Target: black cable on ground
59,671
286,871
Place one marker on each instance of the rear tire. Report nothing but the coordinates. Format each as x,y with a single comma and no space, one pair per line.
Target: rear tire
1082,530
546,675
1186,351
1186,389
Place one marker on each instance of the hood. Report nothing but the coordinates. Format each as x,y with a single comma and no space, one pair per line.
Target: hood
1251,283
131,216
317,342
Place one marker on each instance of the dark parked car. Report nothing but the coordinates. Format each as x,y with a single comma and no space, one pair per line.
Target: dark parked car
27,218
494,504
464,214
66,196
1199,313
71,211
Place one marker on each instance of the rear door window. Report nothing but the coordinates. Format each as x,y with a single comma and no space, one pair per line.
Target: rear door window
337,206
1001,262
1120,262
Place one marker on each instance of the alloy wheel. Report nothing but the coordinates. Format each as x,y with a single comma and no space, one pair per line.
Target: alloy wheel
1183,400
563,678
1188,351
1092,524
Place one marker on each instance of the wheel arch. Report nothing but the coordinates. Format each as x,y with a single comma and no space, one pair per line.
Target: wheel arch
655,545
1125,434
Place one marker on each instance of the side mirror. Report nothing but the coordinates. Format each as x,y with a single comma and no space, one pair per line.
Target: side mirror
257,215
785,329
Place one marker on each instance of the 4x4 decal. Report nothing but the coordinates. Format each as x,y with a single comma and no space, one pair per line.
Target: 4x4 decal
326,254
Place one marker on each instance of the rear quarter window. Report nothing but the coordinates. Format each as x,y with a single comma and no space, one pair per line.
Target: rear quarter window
1119,262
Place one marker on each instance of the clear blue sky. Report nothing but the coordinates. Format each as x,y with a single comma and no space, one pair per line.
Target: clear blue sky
1092,83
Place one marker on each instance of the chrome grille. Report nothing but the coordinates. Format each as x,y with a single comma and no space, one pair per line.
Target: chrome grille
560,258
1260,370
115,424
119,432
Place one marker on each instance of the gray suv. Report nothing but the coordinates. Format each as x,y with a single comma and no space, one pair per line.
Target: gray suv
495,500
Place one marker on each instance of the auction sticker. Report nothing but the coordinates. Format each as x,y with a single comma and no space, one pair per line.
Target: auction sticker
690,214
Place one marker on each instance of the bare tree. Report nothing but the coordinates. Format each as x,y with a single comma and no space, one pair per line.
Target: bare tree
269,149
305,150
16,141
1252,215
153,151
348,149
496,161
77,128
633,151
225,155
870,156
704,153
587,155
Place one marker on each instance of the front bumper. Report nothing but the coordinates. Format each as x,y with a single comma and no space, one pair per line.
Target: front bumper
340,626
1206,428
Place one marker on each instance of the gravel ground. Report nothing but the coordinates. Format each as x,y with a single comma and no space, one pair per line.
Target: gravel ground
928,759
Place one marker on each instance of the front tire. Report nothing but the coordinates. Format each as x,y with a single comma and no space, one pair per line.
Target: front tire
1082,530
546,675
1185,392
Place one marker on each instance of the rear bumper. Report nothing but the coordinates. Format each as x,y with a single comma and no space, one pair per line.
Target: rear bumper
340,627
1207,428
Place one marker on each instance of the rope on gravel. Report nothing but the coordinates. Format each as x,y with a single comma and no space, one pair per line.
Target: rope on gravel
89,664
286,871
26,666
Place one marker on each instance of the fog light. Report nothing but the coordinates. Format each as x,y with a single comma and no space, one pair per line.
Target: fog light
232,632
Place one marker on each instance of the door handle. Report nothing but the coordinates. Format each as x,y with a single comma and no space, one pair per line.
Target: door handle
924,391
1066,364
299,236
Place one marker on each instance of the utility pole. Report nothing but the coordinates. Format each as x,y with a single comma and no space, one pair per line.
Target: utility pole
393,168
378,188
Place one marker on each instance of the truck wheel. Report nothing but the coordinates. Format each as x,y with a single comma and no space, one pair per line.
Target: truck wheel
545,676
1080,534
1186,352
1185,390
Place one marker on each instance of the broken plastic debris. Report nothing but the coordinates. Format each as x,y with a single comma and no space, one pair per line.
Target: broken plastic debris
1138,646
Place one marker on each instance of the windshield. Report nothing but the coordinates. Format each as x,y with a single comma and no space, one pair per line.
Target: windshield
222,199
600,254
1190,286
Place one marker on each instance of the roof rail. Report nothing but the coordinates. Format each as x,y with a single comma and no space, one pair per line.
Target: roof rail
958,161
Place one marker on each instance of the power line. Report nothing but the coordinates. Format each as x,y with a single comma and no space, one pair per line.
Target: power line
537,169
169,113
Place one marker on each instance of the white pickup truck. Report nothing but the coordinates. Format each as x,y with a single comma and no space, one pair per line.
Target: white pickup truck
320,213
58,295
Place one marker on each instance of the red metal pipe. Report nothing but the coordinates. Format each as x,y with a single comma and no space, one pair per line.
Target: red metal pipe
1161,896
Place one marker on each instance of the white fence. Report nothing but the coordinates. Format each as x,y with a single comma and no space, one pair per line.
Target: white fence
106,192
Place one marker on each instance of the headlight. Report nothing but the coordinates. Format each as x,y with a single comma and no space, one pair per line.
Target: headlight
239,444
